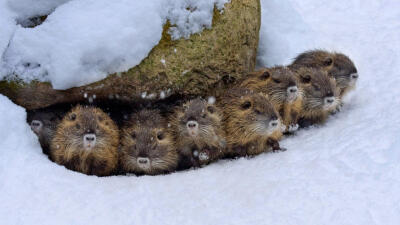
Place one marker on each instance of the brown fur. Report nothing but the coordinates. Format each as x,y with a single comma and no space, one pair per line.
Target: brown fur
316,86
246,118
210,139
46,129
337,65
147,136
67,145
274,83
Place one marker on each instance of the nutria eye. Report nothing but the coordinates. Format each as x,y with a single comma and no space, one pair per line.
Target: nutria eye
264,76
305,78
246,105
276,81
73,116
133,135
160,136
328,62
210,109
78,126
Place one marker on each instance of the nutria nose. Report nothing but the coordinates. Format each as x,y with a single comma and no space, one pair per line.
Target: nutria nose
354,75
191,124
142,160
329,100
90,137
274,123
36,123
292,89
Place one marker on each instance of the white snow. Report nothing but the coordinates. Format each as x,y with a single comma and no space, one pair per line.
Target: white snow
345,172
83,41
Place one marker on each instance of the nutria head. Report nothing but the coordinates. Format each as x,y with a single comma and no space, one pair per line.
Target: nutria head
42,122
278,82
249,114
197,119
337,65
87,129
344,72
146,145
319,90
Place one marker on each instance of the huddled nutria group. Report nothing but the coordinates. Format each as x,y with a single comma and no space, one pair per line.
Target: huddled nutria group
248,119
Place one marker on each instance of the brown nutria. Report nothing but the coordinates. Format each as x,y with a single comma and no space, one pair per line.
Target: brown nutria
44,123
251,123
320,95
198,133
86,141
280,85
337,65
146,145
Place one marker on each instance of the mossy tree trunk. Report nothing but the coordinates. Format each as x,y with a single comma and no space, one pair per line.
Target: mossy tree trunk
195,66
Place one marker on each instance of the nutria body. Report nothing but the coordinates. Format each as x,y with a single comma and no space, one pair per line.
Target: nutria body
146,145
251,123
86,141
320,95
279,83
44,124
337,65
198,133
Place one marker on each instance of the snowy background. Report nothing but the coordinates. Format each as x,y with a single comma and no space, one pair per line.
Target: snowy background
345,172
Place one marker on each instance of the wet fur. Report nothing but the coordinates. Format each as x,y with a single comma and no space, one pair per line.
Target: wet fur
273,82
49,120
316,85
211,136
139,136
337,65
241,134
67,144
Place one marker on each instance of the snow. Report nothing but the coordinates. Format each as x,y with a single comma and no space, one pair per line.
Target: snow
83,41
344,172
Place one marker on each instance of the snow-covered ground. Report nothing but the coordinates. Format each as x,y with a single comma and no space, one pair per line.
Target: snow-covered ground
345,172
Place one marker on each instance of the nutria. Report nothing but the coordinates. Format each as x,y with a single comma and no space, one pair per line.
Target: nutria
146,145
280,85
44,123
337,65
320,95
86,141
251,123
198,133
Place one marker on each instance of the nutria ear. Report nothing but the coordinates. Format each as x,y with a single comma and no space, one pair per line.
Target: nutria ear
305,79
246,105
265,75
72,117
211,109
328,61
